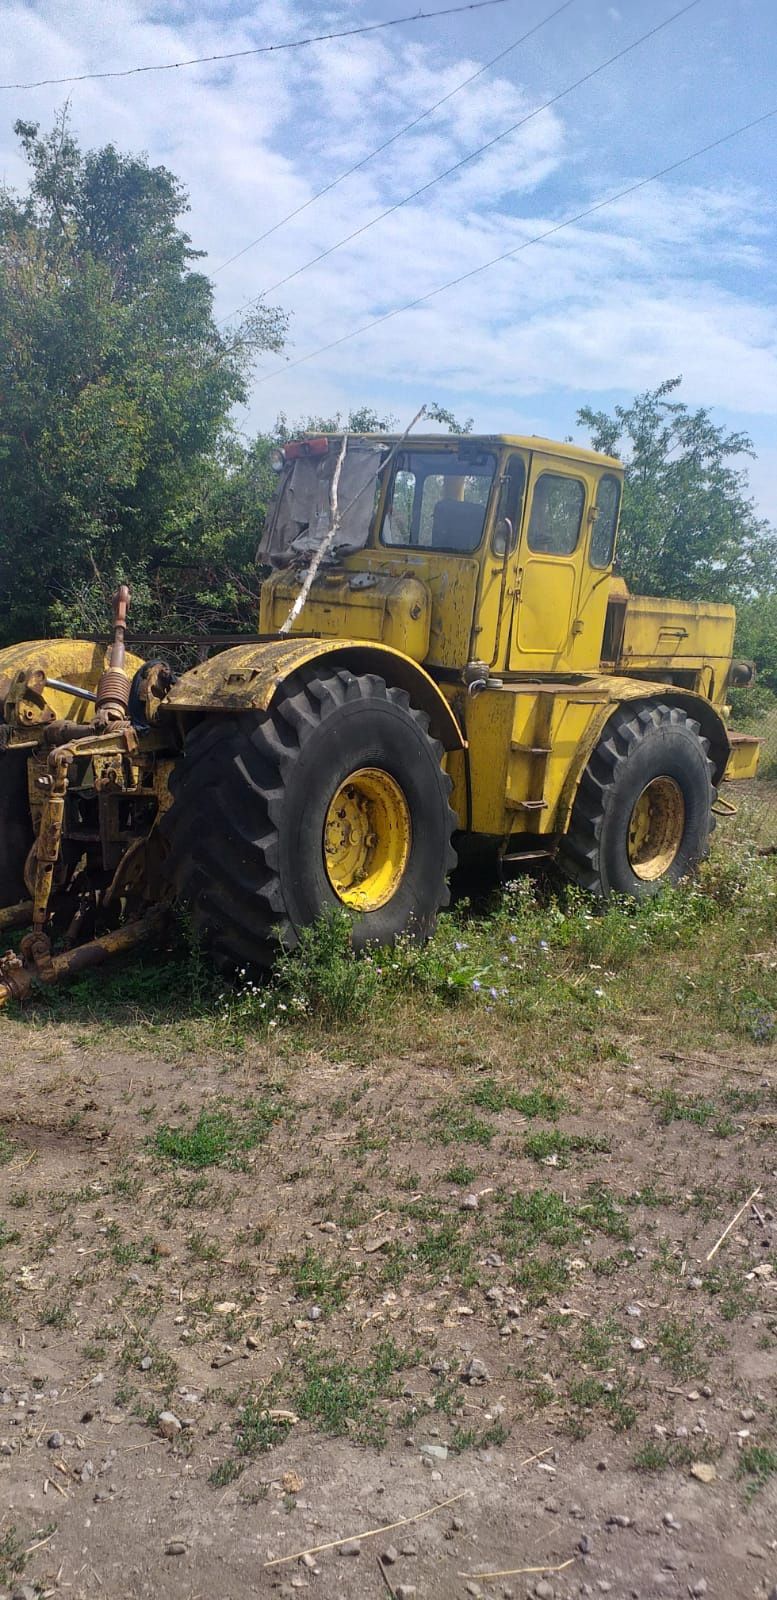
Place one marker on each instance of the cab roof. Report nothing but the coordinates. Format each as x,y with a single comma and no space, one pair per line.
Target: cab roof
493,441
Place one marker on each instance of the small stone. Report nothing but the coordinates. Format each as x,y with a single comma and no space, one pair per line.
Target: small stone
747,1414
705,1472
405,1591
584,1545
55,1441
314,1313
439,1452
308,1562
637,1344
408,1548
544,1590
601,1466
224,1308
633,1311
475,1372
475,1590
351,1548
87,1471
252,1343
145,1364
175,1547
470,1203
695,1283
670,1521
457,1525
327,1227
618,1520
168,1424
25,1592
6,1449
390,1555
698,1588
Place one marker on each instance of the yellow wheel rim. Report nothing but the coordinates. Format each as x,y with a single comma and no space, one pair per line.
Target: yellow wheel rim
367,837
656,829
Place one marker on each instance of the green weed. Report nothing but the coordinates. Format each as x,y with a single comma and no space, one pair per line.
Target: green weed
491,1096
455,1124
547,1142
314,1279
219,1136
677,1342
758,1464
347,1399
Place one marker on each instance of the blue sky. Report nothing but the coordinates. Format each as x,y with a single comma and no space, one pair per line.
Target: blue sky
676,279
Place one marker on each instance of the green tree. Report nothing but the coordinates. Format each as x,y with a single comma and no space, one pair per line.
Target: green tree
363,419
115,384
688,526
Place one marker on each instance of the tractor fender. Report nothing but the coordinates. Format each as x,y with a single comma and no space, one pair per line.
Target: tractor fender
77,661
622,691
247,678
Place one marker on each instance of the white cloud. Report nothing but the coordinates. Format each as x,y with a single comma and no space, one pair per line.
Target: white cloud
670,279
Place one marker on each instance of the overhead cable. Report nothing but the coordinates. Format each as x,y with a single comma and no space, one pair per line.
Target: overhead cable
506,255
400,133
464,161
257,50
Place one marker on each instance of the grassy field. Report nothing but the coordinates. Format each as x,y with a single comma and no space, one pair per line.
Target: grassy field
460,1197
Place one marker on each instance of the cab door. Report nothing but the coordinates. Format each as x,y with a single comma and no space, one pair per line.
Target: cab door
491,624
547,626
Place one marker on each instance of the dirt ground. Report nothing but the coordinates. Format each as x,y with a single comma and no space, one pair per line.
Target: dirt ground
616,1429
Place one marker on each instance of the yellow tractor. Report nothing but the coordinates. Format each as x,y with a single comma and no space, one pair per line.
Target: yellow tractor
446,666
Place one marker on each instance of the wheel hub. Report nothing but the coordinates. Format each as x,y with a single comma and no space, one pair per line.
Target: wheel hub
656,829
367,838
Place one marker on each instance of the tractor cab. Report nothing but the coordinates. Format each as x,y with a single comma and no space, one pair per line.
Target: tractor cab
463,549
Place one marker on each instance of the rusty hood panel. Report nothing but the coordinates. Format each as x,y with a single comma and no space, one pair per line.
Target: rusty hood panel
247,677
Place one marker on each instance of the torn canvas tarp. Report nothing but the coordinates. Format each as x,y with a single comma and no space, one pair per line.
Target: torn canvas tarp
301,519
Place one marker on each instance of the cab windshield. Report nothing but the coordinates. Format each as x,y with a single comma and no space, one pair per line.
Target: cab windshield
438,499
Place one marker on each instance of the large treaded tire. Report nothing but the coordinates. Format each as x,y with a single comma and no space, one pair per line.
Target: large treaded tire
16,830
640,743
250,797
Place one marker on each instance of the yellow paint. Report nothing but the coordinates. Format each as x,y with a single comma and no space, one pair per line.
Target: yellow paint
247,677
682,637
389,607
367,839
74,661
744,757
656,829
517,652
535,618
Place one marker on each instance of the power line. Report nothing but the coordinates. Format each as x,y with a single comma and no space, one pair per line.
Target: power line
394,137
473,154
258,50
567,222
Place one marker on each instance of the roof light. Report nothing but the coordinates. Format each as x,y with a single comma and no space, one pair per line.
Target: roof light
305,447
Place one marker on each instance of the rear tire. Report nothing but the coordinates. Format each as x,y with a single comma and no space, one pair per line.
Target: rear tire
334,797
643,811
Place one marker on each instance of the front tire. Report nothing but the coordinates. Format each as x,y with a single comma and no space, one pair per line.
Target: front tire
334,798
643,811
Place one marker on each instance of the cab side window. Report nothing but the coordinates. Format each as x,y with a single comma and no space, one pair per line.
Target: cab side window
608,501
556,514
